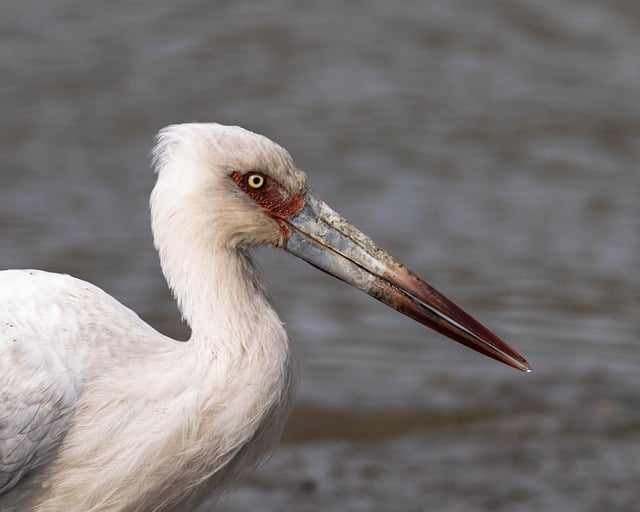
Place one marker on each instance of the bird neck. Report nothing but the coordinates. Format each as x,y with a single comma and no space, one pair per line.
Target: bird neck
219,289
224,299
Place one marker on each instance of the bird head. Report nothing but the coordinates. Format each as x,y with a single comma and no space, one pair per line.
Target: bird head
239,189
238,185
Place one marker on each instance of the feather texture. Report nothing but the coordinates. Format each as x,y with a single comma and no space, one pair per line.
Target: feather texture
101,412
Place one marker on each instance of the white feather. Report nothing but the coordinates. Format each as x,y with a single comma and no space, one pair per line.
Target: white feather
98,411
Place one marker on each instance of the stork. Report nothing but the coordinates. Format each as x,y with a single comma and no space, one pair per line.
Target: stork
100,412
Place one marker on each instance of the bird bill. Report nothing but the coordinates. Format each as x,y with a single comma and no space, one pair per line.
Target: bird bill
327,241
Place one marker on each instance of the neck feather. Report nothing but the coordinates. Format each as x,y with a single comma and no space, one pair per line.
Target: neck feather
219,289
222,296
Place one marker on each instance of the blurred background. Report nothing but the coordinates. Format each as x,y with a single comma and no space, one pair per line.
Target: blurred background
492,146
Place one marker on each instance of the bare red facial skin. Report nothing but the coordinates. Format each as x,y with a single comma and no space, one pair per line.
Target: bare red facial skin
272,196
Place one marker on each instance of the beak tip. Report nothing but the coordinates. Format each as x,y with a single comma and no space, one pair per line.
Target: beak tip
524,366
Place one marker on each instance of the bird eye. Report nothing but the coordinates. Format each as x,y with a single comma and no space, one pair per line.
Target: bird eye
255,180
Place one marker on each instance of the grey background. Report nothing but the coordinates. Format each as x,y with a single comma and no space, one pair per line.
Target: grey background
492,146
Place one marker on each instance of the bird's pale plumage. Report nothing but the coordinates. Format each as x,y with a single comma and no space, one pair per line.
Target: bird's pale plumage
100,412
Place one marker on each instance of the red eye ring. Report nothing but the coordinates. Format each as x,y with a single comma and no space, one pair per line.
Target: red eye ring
269,194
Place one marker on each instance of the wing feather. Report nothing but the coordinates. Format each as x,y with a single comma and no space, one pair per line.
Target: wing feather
38,392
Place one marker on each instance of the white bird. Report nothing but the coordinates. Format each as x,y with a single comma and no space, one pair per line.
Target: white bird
100,412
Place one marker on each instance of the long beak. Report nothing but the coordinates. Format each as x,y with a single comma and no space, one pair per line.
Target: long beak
323,238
